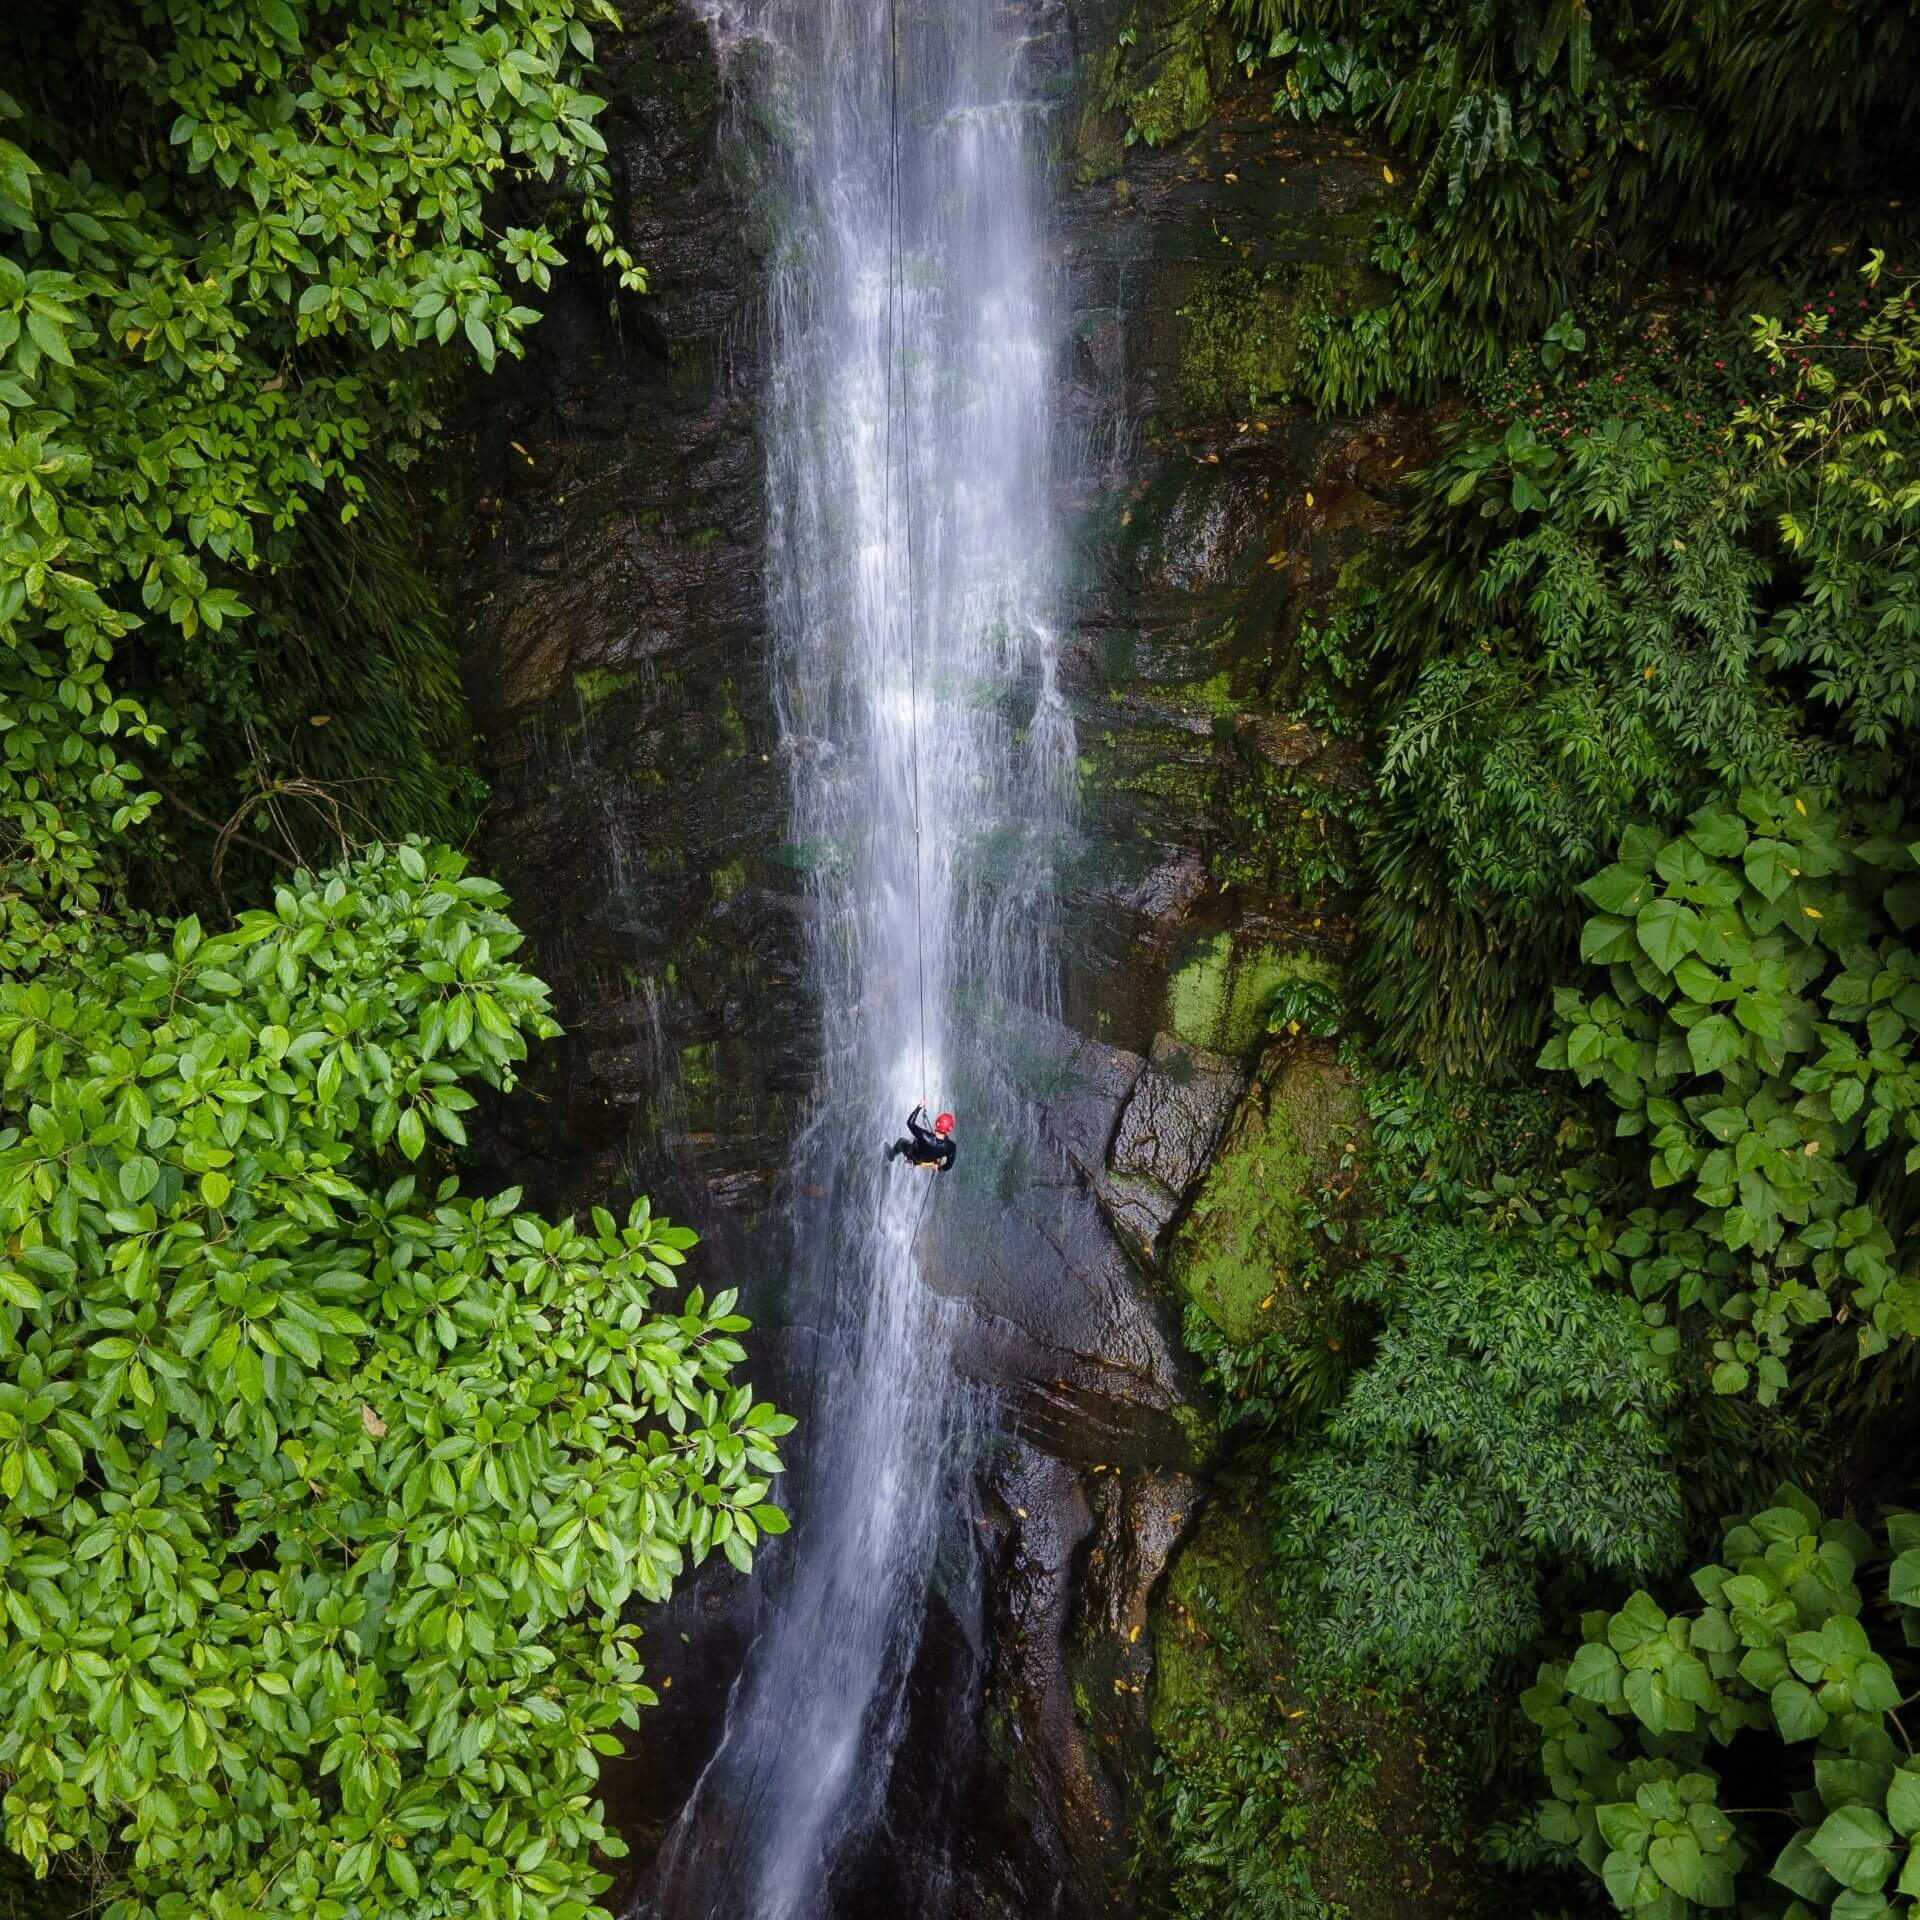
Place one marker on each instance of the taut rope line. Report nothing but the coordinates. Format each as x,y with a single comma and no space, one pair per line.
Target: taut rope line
896,294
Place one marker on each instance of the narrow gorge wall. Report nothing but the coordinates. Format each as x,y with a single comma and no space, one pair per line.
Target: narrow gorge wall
611,598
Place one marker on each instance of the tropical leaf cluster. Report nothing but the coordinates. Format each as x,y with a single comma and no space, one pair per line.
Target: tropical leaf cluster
1782,1667
324,1488
240,248
1558,143
1504,1404
329,1492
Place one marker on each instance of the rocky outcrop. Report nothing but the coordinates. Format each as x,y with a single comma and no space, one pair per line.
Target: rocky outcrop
1168,1130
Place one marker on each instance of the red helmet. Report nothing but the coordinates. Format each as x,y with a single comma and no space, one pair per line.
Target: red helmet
944,1125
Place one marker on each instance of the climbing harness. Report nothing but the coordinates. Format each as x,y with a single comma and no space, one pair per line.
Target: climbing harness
896,302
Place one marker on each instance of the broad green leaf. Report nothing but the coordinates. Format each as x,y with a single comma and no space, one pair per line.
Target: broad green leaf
1667,931
1714,1044
1604,939
1797,1714
1619,890
1856,1846
1903,1802
1769,867
1903,1578
1799,1872
1676,1859
1720,834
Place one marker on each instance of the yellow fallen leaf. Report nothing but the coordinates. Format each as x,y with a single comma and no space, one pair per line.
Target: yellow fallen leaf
319,719
1648,675
1800,807
668,1681
1811,1148
1309,499
1233,179
1813,913
1021,1511
518,448
1134,1637
1266,1303
1213,459
1386,174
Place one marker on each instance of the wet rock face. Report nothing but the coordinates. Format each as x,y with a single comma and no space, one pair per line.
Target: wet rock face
609,592
1167,1134
1066,1561
1216,517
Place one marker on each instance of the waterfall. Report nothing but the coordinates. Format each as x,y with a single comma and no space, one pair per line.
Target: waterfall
915,680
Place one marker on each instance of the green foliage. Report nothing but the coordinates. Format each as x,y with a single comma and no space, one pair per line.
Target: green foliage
237,240
1508,1420
325,1492
1261,1805
1614,605
1233,1826
1782,1657
1552,140
1758,1032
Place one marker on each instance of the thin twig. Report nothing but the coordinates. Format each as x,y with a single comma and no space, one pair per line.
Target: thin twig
229,830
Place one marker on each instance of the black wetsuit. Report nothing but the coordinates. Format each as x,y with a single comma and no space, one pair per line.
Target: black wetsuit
923,1147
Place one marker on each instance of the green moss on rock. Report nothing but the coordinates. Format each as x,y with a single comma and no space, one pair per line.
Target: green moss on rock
593,686
1239,1250
1268,1800
1241,330
1241,1255
1220,998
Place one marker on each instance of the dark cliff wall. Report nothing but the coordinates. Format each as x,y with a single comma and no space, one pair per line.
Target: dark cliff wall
609,590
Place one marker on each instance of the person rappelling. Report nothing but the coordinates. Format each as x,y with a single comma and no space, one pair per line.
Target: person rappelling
925,1147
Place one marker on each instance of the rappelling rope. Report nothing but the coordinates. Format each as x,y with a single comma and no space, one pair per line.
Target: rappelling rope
896,294
922,1214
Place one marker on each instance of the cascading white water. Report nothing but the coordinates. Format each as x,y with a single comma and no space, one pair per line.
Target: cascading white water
915,669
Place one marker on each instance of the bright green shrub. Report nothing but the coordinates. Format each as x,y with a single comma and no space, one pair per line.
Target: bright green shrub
324,1492
1626,588
1508,1420
1758,1031
1782,1656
